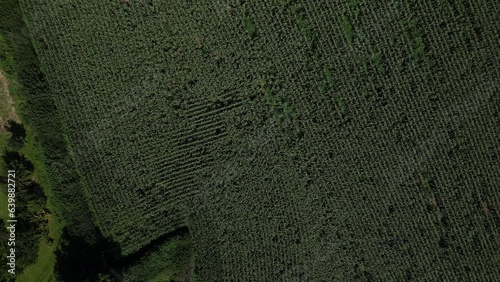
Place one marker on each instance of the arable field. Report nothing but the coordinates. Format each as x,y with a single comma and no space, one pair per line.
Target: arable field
296,140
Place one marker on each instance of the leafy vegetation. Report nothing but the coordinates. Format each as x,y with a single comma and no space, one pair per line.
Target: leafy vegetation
53,162
31,207
171,261
298,141
17,145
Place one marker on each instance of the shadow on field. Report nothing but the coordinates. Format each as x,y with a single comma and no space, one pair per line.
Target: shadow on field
79,260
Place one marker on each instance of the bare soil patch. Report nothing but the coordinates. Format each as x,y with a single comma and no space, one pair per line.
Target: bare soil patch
7,104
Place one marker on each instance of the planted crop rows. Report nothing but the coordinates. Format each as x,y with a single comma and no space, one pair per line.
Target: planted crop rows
297,140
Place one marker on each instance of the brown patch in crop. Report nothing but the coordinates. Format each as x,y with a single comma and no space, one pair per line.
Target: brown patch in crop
486,210
434,202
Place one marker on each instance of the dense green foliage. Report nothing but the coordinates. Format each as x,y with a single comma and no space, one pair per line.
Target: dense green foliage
80,235
30,209
41,113
298,140
18,135
171,261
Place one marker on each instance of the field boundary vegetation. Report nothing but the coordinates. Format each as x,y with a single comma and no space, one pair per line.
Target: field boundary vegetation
74,248
37,228
47,149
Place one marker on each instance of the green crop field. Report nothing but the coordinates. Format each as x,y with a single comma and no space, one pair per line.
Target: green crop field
296,140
